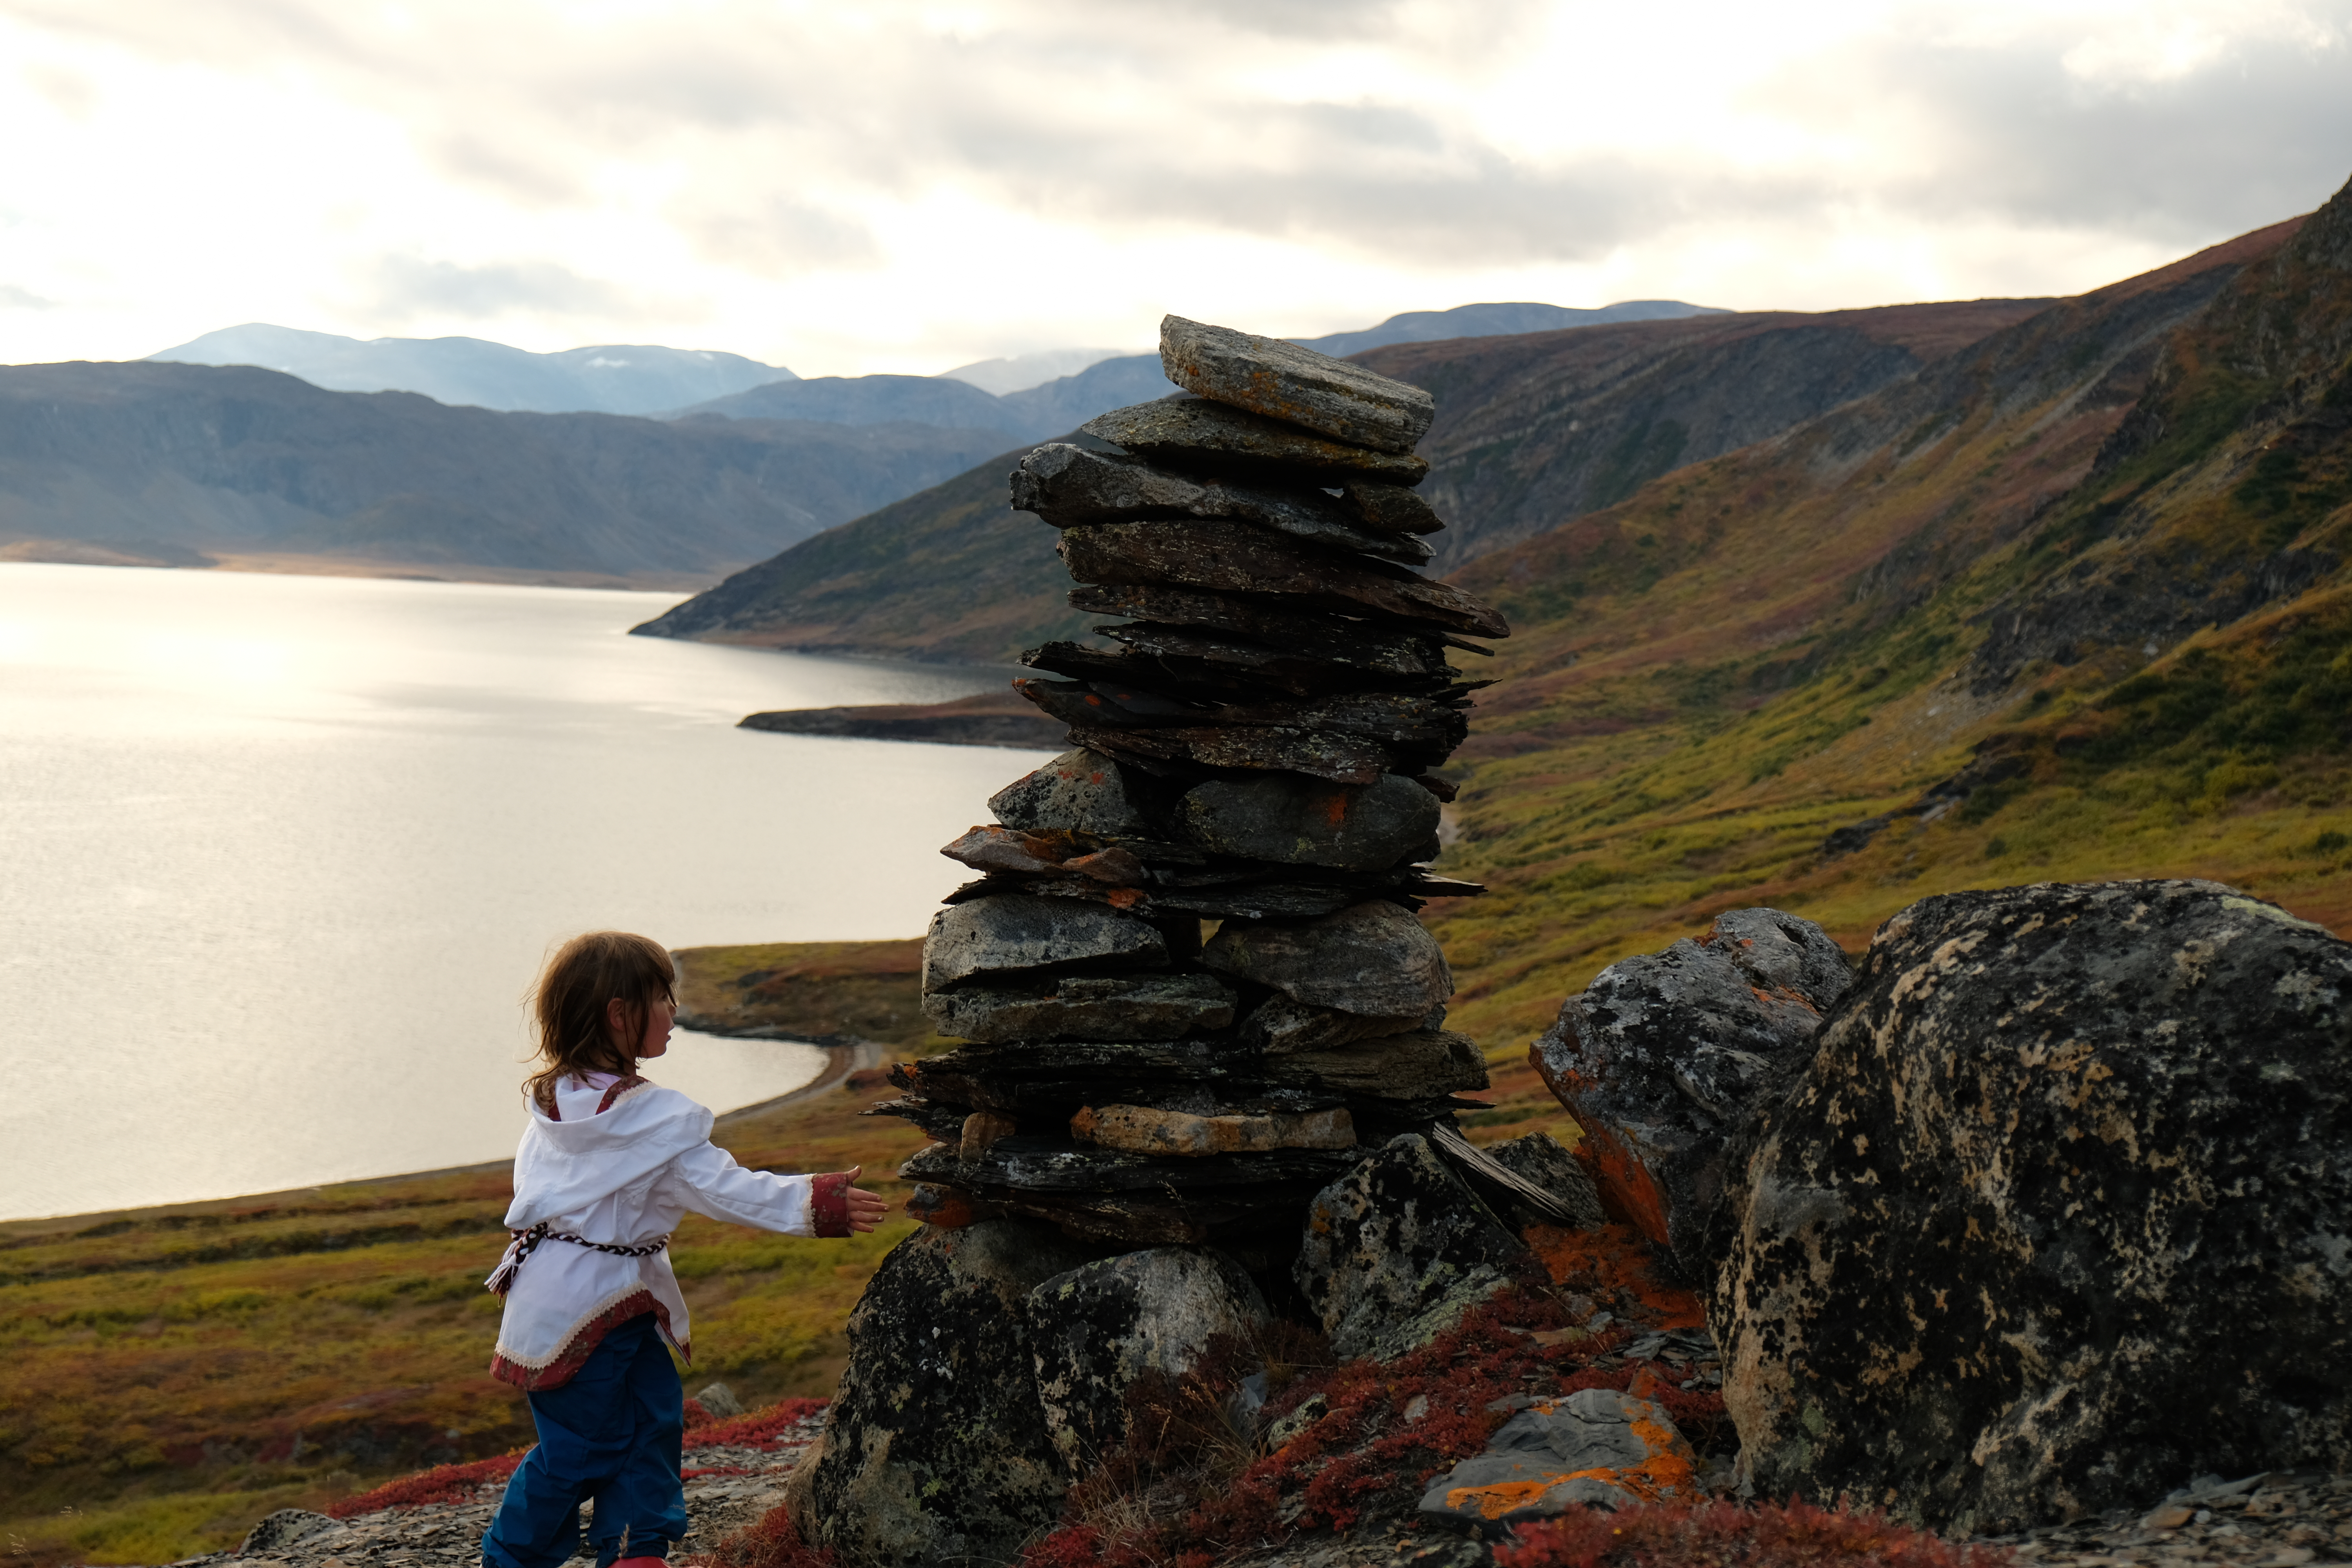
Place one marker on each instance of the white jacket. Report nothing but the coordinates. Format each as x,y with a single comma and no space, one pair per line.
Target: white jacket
619,1164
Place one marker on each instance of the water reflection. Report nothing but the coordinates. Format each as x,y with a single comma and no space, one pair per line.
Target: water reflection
282,854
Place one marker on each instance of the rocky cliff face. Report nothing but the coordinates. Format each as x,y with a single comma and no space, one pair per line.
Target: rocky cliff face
235,458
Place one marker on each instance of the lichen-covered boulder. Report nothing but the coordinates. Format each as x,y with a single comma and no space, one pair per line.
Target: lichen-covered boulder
1103,1325
1667,1058
1397,1250
935,1448
2059,1216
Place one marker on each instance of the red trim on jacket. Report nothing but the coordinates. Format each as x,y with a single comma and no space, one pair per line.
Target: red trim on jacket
829,1204
583,1343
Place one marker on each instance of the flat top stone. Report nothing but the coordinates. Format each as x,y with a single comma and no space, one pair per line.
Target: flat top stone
1282,380
1195,432
1011,934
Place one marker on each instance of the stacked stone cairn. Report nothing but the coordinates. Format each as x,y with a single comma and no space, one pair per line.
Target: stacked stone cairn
1254,749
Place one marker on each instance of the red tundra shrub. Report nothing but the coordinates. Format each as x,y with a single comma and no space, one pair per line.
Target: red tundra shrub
443,1483
758,1429
1795,1534
772,1541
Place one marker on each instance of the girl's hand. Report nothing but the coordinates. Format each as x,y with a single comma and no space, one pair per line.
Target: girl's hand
867,1209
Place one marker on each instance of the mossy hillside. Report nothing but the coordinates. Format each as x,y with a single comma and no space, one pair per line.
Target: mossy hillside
1710,680
811,990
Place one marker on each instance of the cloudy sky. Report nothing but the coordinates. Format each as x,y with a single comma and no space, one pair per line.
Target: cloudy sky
845,188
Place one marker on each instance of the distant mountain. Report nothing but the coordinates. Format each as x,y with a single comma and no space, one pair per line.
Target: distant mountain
610,378
1494,322
1532,431
167,462
1036,412
873,400
1021,372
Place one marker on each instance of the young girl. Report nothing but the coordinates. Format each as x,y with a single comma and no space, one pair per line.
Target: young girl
609,1164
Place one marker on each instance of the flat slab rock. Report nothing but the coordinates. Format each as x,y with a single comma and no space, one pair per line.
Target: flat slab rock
1299,821
2064,1190
1195,432
1597,1448
1148,1130
1373,959
1019,935
1282,380
1069,486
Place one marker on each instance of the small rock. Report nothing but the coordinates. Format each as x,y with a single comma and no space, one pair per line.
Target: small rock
1597,1448
1310,1410
1149,1130
277,1531
1373,959
1390,509
1082,1007
1080,792
1099,1327
1014,934
720,1400
1398,1249
2171,1516
1215,438
981,1129
1304,822
1282,380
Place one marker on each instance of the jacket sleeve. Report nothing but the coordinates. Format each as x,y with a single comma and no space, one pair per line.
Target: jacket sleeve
707,1181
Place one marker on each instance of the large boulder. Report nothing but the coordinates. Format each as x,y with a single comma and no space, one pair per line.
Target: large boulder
2060,1217
936,1448
1294,820
1103,1325
1666,1060
1397,1250
1374,960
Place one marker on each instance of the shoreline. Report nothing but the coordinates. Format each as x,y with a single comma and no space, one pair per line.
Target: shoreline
842,1057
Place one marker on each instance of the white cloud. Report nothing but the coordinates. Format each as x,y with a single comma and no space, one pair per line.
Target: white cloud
909,186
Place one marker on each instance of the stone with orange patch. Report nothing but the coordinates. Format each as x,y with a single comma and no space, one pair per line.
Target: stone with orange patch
1596,1448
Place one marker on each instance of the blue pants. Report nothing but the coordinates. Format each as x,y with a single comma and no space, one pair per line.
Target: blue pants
612,1436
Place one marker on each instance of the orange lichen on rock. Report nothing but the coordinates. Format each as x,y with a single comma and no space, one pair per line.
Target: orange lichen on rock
1616,1266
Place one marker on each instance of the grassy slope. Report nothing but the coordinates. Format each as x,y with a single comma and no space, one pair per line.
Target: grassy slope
1748,656
163,1365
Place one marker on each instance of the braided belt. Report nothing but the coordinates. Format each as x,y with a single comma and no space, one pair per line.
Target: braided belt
523,1243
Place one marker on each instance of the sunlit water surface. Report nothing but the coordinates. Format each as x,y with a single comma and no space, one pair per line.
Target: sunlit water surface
278,856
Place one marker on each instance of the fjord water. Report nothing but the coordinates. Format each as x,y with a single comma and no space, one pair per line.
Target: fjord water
278,856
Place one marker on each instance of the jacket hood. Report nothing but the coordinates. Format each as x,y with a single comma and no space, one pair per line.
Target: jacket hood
563,1166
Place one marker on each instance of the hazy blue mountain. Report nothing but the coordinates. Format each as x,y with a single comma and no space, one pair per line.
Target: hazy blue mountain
1021,372
608,378
872,400
168,462
1071,401
1497,320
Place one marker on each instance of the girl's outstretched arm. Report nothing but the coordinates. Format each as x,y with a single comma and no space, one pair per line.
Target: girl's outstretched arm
709,1182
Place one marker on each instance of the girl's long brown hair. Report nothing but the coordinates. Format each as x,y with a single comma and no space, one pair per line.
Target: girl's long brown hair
569,1003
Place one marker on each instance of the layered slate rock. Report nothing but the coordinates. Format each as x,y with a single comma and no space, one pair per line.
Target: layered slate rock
1253,728
2055,1219
1667,1060
1100,1327
936,1447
